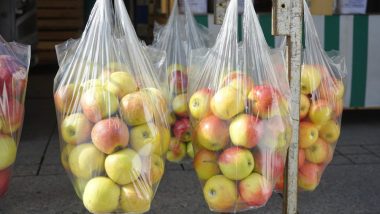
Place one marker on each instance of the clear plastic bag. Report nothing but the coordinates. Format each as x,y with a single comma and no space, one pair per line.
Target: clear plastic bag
111,114
321,105
241,122
14,67
177,38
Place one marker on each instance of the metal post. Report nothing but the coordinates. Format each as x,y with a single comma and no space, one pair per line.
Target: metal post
287,18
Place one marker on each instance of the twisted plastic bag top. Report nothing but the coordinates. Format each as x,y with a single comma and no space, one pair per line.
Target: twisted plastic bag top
14,66
240,116
111,114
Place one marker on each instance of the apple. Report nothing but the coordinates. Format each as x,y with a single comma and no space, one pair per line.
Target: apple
212,133
269,164
175,67
65,154
220,193
338,106
165,140
76,128
236,163
136,109
179,105
329,156
5,177
318,152
304,106
308,176
255,190
66,98
182,130
124,166
320,112
136,198
8,149
263,99
170,117
227,103
12,114
310,78
178,82
146,139
121,83
190,150
101,195
13,77
275,133
279,186
177,151
308,134
206,164
86,161
240,81
153,168
157,98
331,90
330,131
109,135
199,104
98,103
244,131
301,158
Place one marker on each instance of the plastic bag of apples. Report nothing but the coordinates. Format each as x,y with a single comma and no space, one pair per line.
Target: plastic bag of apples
14,66
177,38
321,106
110,111
241,123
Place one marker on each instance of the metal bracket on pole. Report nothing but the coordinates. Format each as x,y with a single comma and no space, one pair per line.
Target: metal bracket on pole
287,16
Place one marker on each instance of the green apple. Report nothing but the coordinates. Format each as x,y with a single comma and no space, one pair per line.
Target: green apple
76,128
8,149
206,164
199,104
220,193
310,78
136,197
136,108
124,166
330,131
86,161
121,83
98,103
146,139
236,163
101,195
227,103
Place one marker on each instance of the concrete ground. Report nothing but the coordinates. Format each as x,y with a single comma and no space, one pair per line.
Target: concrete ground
39,185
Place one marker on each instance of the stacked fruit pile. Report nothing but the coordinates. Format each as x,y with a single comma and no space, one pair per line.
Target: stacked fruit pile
241,134
13,79
321,107
113,140
180,143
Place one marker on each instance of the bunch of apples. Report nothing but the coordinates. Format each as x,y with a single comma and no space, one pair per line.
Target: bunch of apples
13,78
180,143
321,107
113,139
240,136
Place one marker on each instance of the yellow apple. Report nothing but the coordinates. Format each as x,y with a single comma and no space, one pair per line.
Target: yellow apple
65,154
177,151
76,128
8,149
124,166
199,104
136,108
330,131
244,131
146,139
320,112
86,161
165,140
206,164
236,163
308,134
66,98
190,150
220,193
304,106
310,78
101,195
179,105
153,168
318,152
121,83
227,103
79,186
136,197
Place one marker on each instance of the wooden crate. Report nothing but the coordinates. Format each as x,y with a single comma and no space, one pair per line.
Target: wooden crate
57,21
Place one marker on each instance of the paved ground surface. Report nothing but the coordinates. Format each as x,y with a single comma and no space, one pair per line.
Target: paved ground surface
40,185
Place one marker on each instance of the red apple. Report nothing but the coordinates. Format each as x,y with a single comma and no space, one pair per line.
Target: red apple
262,98
244,131
301,158
12,114
308,176
236,163
206,164
13,77
178,82
212,133
255,190
182,130
110,134
279,186
269,164
5,176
